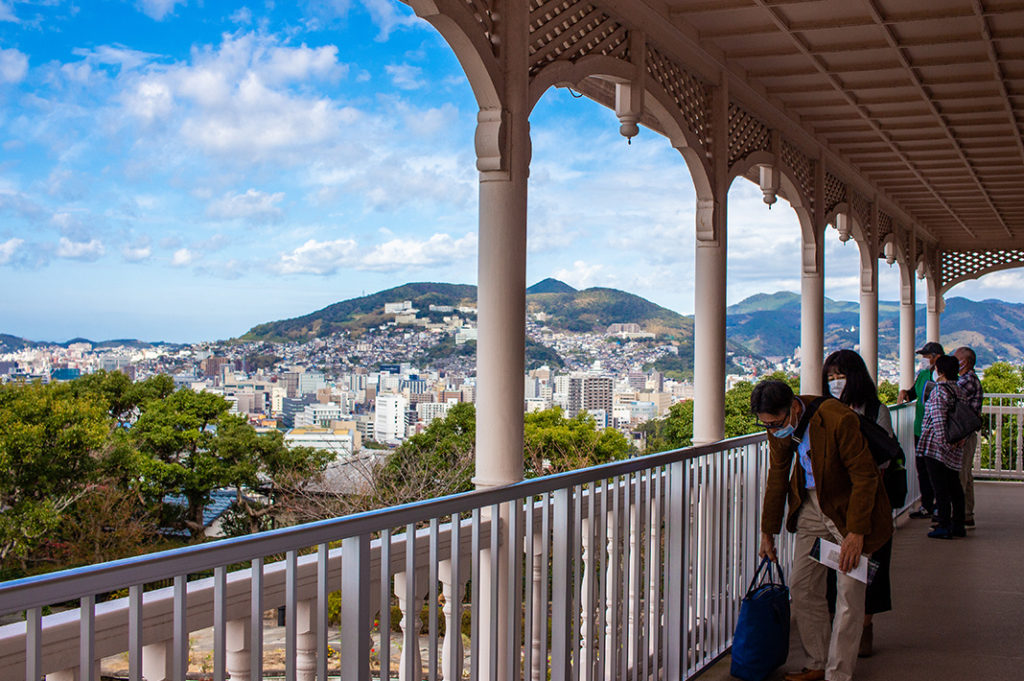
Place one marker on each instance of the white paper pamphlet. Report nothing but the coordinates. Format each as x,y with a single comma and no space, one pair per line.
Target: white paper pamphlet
827,553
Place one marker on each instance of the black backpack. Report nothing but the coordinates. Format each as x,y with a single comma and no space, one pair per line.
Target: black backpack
885,449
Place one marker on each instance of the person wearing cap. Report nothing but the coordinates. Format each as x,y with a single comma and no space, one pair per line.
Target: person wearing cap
923,385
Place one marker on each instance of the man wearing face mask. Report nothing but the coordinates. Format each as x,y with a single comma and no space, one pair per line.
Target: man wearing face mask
835,492
923,385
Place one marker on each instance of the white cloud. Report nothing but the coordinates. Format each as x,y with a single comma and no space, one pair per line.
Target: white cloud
137,252
318,257
243,15
253,205
80,250
13,64
7,12
390,15
438,249
8,249
158,9
584,275
406,76
124,57
182,257
284,64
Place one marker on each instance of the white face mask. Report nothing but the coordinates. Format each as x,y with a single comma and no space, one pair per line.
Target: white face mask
836,387
926,364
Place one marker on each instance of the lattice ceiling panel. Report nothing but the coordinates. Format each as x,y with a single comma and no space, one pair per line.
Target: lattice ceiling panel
960,265
691,95
803,168
747,134
884,226
835,192
483,12
571,30
860,207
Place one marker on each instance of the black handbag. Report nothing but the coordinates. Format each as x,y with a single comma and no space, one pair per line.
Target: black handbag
961,420
760,644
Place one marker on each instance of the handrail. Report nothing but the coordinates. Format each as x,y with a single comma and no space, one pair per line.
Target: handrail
40,590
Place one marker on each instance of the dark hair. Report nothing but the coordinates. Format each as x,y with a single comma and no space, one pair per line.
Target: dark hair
948,366
860,390
771,397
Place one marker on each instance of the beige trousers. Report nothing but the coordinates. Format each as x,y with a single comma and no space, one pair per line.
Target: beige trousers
967,475
829,645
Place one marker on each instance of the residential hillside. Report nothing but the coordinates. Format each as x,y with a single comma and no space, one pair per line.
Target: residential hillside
562,308
764,325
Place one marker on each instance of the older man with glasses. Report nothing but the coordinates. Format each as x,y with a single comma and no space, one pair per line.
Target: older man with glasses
835,492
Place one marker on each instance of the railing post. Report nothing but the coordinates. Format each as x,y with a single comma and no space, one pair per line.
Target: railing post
675,605
74,674
236,637
410,667
453,588
355,608
305,640
561,586
158,661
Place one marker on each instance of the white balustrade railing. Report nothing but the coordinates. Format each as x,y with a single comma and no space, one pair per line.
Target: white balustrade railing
629,570
1000,450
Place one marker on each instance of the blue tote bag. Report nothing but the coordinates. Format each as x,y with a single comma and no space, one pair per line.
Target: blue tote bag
760,644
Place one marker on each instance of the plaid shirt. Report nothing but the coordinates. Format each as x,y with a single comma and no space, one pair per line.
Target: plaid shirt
933,430
972,389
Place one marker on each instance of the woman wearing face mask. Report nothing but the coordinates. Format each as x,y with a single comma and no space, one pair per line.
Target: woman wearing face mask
845,377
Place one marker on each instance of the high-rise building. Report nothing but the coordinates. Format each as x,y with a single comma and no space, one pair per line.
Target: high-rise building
389,423
589,393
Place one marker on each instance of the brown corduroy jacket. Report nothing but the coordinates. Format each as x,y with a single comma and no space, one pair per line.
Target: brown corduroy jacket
848,483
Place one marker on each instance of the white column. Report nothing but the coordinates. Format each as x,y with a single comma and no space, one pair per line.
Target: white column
812,290
503,159
908,304
73,674
709,272
869,309
812,329
452,588
239,662
709,335
936,305
410,665
157,661
305,640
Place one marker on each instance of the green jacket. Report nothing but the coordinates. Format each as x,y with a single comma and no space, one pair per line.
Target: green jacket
919,393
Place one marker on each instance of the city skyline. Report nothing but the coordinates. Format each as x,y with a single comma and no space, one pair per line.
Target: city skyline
182,172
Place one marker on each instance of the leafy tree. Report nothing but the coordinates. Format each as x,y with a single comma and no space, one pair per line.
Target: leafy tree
436,462
672,432
263,461
676,429
1001,377
121,396
50,440
553,443
888,392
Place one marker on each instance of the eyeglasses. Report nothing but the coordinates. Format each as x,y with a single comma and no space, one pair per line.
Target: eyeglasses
774,425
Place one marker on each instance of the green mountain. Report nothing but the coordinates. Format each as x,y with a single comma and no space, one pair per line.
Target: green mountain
561,307
358,314
550,285
595,309
769,324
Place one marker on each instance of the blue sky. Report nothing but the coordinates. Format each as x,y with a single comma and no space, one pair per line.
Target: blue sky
181,170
